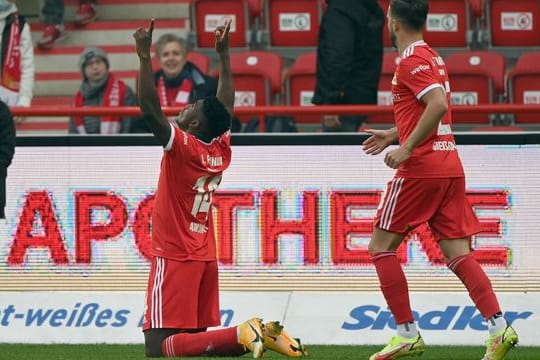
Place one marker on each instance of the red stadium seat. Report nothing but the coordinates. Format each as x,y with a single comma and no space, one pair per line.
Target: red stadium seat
447,25
206,15
514,23
476,77
384,98
257,77
524,85
293,22
300,83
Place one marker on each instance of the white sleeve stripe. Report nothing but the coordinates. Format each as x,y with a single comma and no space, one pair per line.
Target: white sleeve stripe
427,89
169,144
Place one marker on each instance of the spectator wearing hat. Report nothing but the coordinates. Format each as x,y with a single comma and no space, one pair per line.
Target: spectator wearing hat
100,88
53,12
17,57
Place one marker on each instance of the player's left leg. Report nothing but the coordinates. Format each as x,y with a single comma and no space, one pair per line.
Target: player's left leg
454,223
233,341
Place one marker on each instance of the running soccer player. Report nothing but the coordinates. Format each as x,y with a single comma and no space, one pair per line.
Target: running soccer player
182,298
429,186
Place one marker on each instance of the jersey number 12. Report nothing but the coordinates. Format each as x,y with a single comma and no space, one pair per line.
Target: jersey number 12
205,186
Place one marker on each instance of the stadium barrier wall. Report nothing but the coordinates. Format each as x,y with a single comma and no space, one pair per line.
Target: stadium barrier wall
292,222
263,111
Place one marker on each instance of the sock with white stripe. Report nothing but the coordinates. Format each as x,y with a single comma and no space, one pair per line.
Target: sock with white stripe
222,342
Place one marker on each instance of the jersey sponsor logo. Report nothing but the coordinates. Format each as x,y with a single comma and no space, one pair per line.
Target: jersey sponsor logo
419,68
444,146
452,317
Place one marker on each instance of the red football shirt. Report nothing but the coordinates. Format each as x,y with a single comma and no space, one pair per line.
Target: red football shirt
421,70
191,170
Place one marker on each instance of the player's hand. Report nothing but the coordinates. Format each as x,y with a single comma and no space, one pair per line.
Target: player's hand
331,121
377,142
19,120
222,37
143,40
395,157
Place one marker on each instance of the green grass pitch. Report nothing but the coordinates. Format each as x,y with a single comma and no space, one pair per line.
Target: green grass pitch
106,352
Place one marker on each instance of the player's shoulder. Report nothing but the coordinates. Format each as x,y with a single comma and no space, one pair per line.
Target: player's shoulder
413,54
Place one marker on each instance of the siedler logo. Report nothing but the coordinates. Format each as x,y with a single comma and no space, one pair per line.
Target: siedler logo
453,317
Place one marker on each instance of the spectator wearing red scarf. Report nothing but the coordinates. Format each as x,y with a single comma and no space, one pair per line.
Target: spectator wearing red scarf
100,88
17,57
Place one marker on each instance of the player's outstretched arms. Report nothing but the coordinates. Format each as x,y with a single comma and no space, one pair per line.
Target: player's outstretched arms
147,93
379,140
225,90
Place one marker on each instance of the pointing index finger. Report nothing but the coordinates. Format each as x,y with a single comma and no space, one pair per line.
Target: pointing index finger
228,26
151,28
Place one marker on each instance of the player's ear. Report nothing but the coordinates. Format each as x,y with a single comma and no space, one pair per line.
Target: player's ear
195,123
396,26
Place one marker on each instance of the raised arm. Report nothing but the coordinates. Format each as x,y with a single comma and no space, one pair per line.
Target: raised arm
147,93
225,90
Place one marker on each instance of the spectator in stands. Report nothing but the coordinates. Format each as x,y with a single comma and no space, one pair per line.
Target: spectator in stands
100,88
17,59
7,149
53,12
349,59
179,81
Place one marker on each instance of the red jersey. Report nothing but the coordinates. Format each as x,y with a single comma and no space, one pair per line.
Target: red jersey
191,170
421,70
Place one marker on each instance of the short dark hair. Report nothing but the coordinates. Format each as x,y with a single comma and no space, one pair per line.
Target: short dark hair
412,13
218,118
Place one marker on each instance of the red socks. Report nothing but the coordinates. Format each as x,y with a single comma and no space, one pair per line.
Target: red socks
218,342
393,285
476,281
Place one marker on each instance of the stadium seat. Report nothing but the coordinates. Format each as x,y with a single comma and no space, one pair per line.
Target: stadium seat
292,23
257,77
524,85
448,24
206,15
476,77
384,98
299,84
513,23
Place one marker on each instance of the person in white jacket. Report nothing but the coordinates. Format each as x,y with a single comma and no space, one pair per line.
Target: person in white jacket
16,58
